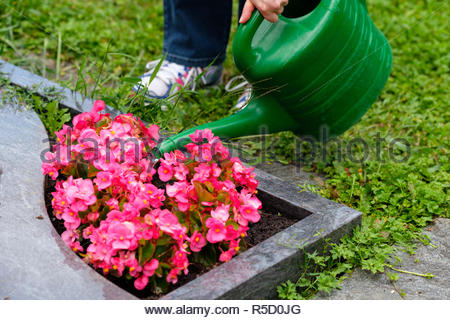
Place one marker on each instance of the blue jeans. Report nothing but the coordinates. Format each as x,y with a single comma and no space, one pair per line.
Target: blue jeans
196,31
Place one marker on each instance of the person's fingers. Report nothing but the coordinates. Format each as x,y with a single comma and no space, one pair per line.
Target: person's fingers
280,10
246,12
270,16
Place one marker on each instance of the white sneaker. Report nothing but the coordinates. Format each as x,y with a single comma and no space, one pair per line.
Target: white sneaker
172,76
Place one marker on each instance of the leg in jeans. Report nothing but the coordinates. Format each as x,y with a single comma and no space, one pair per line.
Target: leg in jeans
195,35
196,31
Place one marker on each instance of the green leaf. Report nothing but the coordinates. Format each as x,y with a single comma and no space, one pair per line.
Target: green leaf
392,276
147,252
195,219
202,193
207,256
132,80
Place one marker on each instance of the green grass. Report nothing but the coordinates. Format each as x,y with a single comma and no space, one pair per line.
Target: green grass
102,44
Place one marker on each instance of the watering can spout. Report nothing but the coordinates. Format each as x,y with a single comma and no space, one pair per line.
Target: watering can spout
262,115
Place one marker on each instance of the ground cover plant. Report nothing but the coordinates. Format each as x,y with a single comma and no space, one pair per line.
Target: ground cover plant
400,187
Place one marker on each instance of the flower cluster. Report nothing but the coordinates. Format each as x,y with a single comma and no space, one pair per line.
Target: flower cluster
131,215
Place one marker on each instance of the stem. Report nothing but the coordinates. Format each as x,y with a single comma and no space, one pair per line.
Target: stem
44,59
351,192
58,56
400,293
428,275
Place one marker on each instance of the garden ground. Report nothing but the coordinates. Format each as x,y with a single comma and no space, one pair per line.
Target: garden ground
400,187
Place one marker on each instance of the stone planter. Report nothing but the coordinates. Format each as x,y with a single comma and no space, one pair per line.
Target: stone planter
36,264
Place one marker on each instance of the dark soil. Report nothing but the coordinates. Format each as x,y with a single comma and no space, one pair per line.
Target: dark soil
269,225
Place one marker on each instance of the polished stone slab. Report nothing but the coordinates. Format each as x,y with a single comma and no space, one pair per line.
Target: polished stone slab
35,263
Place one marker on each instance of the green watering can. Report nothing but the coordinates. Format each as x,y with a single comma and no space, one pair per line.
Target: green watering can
322,65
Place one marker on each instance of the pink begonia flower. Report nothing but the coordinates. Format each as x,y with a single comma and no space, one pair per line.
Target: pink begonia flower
98,106
82,189
192,148
180,172
148,233
179,233
72,225
179,190
81,121
133,151
200,135
215,170
119,130
141,282
243,230
216,232
100,252
221,213
63,155
170,158
138,201
122,234
226,256
167,221
78,206
180,260
49,169
172,276
249,213
113,203
233,250
61,134
150,267
118,264
103,180
231,233
92,216
153,194
70,216
218,148
152,131
115,215
202,172
133,266
179,156
197,241
68,237
76,246
165,172
205,153
234,245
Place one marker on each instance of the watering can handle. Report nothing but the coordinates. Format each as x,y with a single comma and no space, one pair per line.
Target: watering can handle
243,40
247,30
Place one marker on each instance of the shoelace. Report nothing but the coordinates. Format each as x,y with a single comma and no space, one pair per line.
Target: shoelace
243,86
170,71
238,86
